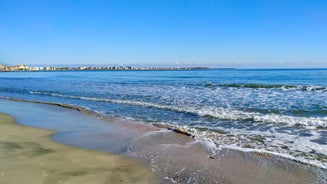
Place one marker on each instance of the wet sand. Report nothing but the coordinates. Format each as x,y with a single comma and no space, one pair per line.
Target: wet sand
175,158
27,155
172,157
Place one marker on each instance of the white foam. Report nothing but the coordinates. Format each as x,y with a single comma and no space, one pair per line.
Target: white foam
283,155
273,140
216,112
281,144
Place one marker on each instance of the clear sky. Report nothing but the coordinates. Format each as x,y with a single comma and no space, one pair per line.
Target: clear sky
221,33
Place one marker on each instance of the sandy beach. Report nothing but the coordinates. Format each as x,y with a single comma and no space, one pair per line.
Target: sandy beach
168,91
27,155
144,153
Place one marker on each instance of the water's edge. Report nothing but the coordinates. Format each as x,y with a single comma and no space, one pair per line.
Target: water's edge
173,128
161,148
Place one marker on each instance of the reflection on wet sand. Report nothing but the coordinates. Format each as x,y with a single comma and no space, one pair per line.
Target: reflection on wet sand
27,155
172,157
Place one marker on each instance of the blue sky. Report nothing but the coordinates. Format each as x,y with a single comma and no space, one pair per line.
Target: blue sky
220,33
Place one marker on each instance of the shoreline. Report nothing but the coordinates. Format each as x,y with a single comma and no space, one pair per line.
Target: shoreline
97,115
157,126
174,157
28,155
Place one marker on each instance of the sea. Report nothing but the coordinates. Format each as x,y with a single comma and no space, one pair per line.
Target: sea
277,111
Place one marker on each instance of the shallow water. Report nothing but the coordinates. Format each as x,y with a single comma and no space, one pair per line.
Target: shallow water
72,127
27,155
278,111
172,157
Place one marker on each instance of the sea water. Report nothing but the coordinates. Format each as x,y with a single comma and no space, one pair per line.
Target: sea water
279,111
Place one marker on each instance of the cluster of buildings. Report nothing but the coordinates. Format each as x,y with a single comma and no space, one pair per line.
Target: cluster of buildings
25,67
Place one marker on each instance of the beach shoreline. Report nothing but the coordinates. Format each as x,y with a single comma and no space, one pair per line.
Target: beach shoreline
28,155
174,157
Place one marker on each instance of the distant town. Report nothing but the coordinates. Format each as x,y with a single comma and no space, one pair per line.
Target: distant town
25,67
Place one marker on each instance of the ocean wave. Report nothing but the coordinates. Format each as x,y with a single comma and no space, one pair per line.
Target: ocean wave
286,146
269,86
214,112
237,115
283,145
14,90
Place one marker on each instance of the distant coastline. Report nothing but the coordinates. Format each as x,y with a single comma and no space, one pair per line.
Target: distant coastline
26,68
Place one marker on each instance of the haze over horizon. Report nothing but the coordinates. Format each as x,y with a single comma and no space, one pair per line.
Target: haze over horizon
215,33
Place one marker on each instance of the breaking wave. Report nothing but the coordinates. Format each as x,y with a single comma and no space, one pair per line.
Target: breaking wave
213,112
269,86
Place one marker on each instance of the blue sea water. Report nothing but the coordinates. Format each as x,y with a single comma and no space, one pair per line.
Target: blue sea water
280,111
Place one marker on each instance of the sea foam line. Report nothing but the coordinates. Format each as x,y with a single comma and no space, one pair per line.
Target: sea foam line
210,143
269,86
214,112
216,145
